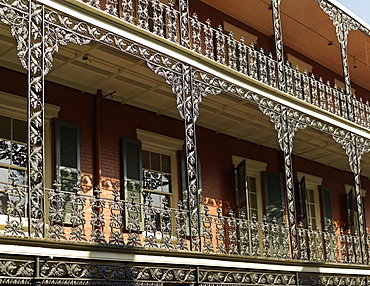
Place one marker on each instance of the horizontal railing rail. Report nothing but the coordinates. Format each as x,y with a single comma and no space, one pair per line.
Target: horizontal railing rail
78,217
164,21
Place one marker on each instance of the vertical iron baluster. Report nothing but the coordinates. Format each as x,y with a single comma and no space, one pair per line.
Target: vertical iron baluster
275,240
16,207
306,87
311,244
231,48
262,72
57,202
158,24
253,70
232,236
116,220
207,231
208,40
111,7
142,11
285,233
255,236
350,107
166,225
220,46
272,71
297,83
343,246
337,243
97,217
94,3
343,104
181,219
266,238
356,107
337,109
357,248
322,96
220,232
128,11
351,253
150,227
196,30
78,220
314,94
289,78
329,94
319,244
367,114
302,242
362,113
244,233
328,252
184,23
171,19
133,213
243,57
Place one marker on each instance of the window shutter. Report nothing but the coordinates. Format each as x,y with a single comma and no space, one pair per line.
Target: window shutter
327,210
351,210
67,159
274,196
303,199
184,181
242,188
131,175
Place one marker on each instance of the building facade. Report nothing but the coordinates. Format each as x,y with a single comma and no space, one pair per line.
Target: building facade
202,142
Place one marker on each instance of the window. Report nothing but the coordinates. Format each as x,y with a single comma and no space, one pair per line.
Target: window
159,166
309,199
13,154
302,65
248,186
352,216
13,141
149,167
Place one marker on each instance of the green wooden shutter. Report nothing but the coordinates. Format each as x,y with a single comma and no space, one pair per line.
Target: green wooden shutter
302,206
67,159
327,210
274,196
242,188
351,210
131,174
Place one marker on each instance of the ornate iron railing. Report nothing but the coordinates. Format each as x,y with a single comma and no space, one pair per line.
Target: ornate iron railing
176,26
112,221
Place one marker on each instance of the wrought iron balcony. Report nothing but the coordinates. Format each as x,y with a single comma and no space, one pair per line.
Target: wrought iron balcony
178,27
76,217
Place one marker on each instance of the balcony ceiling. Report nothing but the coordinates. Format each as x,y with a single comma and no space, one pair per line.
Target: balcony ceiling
308,30
134,84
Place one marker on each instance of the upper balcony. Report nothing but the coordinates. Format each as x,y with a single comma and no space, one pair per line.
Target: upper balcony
204,31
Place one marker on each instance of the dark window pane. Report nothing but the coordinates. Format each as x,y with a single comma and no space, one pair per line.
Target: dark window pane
3,202
5,127
166,164
4,151
19,155
19,130
156,161
146,160
166,183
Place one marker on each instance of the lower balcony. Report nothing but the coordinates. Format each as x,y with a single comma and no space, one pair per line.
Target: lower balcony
96,220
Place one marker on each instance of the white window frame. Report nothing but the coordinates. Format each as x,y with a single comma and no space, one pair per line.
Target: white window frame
313,183
254,170
302,65
15,106
163,145
238,33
